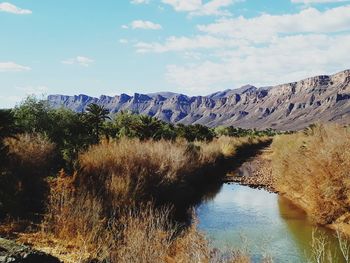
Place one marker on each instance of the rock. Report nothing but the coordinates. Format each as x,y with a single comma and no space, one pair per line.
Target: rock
11,252
290,106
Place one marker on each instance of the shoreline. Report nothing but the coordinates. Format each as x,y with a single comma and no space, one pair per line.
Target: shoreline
260,177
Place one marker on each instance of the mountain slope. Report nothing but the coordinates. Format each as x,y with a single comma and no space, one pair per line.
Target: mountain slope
285,107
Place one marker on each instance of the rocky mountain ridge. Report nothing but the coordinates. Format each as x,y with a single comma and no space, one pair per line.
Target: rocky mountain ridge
289,106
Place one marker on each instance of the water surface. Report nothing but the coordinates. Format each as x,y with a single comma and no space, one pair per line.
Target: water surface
263,222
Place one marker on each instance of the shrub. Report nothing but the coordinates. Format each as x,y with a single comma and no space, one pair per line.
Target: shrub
312,167
23,181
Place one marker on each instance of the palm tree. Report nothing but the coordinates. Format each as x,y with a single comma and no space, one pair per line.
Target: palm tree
148,127
96,115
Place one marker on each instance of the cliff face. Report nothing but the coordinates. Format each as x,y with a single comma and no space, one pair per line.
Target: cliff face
285,107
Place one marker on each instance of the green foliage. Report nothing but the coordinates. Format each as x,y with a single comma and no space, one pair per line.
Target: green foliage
240,132
95,116
195,132
148,127
74,132
143,127
33,116
125,123
68,130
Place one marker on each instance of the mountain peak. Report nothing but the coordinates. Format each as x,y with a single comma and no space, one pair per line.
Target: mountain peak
290,106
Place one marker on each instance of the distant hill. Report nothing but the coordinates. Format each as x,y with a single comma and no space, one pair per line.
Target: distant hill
284,107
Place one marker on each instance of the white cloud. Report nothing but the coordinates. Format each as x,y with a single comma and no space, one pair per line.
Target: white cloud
198,8
137,2
123,41
79,60
10,8
265,27
184,5
284,59
261,29
264,50
124,26
12,67
32,90
233,32
186,43
140,24
317,1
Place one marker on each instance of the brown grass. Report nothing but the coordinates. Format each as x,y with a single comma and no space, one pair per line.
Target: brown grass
312,168
30,151
22,182
106,209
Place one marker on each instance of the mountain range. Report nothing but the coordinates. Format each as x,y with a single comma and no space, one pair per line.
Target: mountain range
289,106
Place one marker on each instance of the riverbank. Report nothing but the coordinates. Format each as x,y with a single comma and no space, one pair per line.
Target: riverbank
310,168
256,173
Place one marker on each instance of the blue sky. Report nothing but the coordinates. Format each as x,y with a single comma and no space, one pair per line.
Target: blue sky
191,46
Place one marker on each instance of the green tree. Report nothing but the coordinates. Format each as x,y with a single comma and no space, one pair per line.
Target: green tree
70,133
167,131
32,115
95,116
125,123
195,132
148,127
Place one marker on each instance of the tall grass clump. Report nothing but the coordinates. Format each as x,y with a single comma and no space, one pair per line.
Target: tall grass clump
312,168
140,233
29,158
116,206
125,173
126,170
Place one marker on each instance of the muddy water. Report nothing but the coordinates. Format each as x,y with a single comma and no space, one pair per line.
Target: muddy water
262,222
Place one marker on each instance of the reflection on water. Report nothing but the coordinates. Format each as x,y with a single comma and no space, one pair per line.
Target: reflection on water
242,217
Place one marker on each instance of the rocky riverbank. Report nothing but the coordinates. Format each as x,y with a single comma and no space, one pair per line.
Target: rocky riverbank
256,173
12,252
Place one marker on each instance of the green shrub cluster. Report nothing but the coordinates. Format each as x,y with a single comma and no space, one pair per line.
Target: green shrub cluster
73,132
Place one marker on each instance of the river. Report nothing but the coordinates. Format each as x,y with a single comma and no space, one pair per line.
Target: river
262,222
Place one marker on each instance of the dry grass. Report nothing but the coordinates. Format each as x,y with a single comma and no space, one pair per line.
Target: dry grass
143,236
22,182
30,151
106,208
128,171
322,252
312,168
78,231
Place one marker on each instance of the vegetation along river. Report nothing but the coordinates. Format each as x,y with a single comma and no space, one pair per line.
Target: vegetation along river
262,222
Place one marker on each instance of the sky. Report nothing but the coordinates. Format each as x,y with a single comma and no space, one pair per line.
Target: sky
195,47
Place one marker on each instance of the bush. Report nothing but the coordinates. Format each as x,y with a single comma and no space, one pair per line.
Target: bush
23,181
312,168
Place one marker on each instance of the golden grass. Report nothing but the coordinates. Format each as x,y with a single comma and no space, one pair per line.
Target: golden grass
312,168
30,151
106,208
